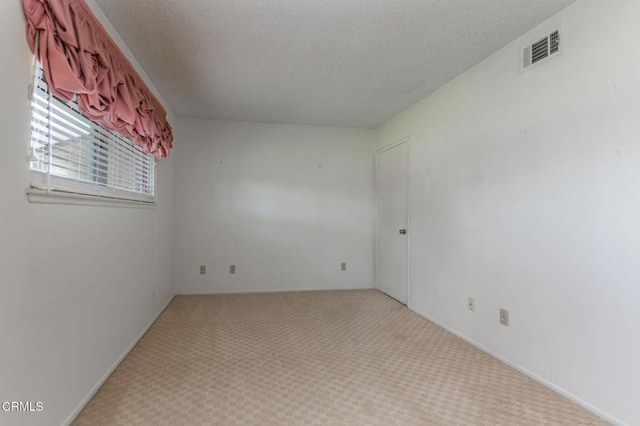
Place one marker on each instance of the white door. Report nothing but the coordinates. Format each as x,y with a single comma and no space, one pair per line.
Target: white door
392,253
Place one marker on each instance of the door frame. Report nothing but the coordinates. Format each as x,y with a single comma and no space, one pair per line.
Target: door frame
404,140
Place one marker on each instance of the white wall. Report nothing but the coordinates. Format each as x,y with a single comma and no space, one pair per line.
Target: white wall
77,282
525,196
286,204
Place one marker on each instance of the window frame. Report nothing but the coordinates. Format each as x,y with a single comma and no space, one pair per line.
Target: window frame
107,144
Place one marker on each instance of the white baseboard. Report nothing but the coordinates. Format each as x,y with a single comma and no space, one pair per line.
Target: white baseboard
271,290
587,406
115,365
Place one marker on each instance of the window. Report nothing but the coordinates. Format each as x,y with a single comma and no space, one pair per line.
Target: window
73,154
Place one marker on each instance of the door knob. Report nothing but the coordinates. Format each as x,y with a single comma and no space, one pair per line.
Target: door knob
403,231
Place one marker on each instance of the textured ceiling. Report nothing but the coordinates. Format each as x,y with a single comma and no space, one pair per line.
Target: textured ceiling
352,63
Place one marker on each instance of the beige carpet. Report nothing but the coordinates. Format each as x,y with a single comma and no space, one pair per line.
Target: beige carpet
334,357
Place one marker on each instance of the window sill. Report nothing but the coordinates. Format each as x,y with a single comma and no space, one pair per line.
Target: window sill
69,198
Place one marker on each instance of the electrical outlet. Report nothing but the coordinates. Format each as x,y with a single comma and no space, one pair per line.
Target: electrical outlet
504,317
472,304
343,266
203,269
232,269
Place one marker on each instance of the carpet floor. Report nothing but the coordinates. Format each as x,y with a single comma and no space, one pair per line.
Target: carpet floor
315,358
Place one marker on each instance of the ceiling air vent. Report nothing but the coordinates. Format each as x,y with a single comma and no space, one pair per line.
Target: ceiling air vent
541,49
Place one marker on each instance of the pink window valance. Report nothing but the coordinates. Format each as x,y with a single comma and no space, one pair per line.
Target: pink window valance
80,59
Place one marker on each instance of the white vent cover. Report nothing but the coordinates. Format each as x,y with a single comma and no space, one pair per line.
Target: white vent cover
541,50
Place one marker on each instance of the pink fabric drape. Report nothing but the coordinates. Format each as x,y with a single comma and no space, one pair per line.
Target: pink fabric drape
80,59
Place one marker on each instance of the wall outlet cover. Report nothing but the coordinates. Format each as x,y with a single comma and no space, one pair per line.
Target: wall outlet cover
504,317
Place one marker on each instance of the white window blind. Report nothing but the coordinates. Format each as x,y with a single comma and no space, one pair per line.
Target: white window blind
73,154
